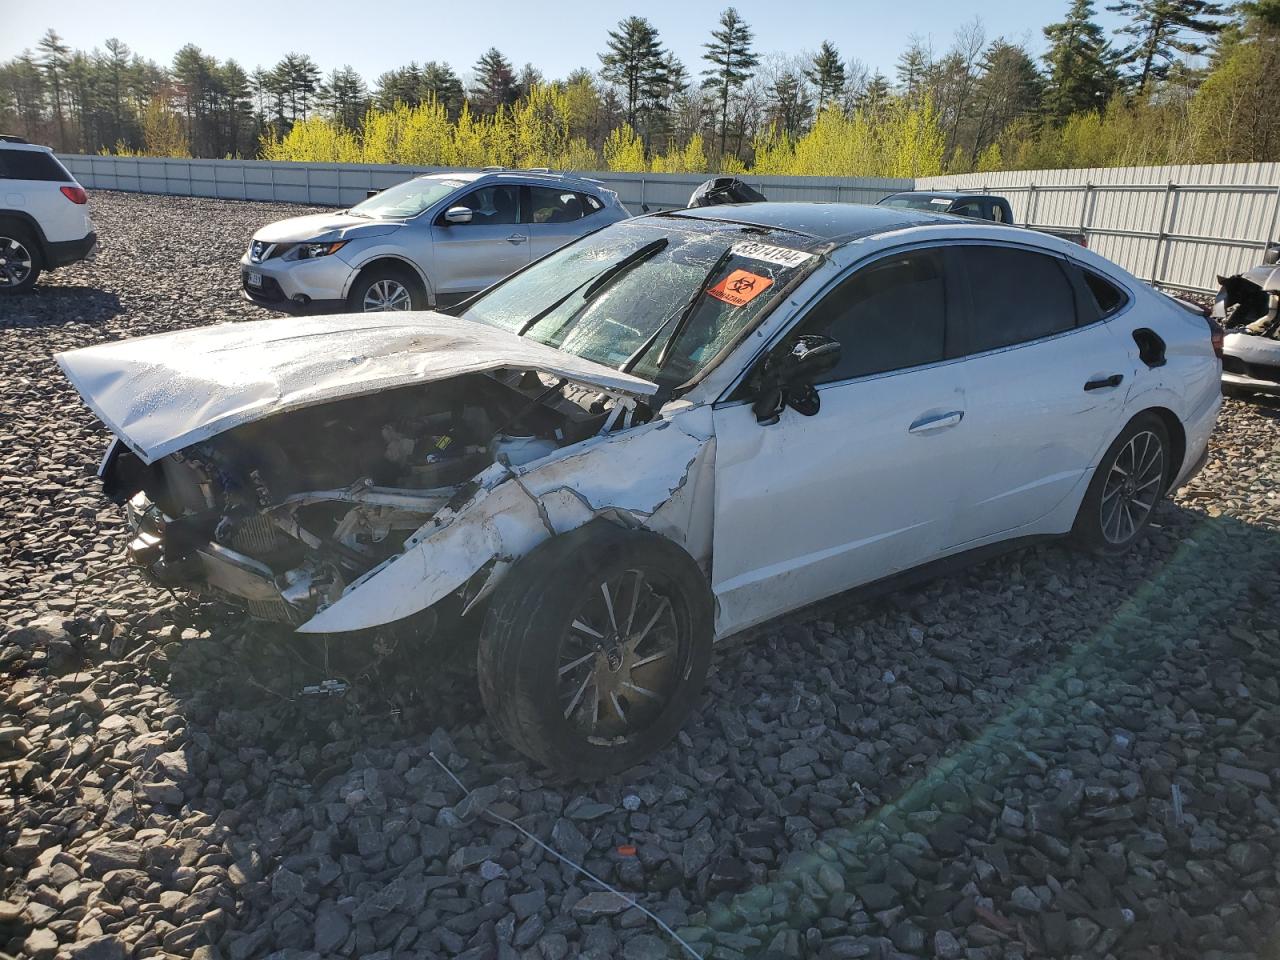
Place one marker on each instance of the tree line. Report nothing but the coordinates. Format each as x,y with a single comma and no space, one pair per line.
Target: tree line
1182,81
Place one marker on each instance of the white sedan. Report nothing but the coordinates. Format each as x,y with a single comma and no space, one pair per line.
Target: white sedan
667,432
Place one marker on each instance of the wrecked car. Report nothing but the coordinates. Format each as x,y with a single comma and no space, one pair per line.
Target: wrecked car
1248,307
668,432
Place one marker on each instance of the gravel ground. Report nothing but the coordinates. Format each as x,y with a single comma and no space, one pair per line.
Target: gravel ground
1047,755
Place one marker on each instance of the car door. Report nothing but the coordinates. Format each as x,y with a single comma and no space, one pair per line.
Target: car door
1045,391
556,216
471,256
813,505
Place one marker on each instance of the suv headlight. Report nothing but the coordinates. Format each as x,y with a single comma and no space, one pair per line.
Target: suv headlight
309,251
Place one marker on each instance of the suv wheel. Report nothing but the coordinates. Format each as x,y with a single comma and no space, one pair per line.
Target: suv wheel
386,288
20,263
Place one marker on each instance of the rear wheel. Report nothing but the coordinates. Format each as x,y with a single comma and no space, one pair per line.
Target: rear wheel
1130,480
595,648
20,262
386,288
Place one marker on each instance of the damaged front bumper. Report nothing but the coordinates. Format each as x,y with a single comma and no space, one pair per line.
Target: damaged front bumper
213,569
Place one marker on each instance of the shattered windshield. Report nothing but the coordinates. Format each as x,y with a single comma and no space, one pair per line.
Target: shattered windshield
657,298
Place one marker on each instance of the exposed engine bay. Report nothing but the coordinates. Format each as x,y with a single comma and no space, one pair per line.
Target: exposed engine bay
281,514
1248,307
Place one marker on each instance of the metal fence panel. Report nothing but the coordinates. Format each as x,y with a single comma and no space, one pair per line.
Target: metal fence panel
1176,226
337,184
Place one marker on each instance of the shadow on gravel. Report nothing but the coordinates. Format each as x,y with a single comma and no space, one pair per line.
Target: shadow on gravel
51,306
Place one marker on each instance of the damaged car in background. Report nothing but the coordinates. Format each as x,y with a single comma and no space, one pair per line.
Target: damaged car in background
1248,307
666,433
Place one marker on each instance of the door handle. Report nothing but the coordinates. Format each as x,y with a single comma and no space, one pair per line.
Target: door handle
936,421
1112,381
516,238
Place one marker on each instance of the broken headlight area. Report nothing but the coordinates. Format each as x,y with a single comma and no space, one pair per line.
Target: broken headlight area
1249,303
282,514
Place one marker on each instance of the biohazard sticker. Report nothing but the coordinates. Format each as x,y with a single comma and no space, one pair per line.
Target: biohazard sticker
740,288
782,256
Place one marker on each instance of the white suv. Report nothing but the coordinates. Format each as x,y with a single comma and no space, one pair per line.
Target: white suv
44,215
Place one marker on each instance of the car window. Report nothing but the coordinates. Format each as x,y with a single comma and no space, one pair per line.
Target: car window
1108,297
967,208
407,199
32,165
555,206
890,315
492,206
997,211
1015,296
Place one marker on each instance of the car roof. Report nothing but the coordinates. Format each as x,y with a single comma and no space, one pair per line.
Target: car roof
940,194
821,221
520,176
24,145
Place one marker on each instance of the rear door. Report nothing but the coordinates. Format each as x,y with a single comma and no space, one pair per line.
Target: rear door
471,256
30,181
814,505
1045,383
556,216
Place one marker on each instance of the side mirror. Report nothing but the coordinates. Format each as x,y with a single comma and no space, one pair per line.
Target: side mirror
789,374
458,215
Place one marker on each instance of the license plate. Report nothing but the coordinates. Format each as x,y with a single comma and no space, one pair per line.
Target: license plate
254,279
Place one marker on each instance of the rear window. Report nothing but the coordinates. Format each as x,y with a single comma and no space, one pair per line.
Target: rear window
32,165
1017,295
1108,296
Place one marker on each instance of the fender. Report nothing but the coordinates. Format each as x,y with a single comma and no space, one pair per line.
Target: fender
375,257
29,221
514,509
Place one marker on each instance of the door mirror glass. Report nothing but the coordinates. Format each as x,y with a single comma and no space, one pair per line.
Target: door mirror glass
789,375
458,215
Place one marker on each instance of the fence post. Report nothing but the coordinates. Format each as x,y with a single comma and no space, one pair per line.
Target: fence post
306,172
1085,211
1030,216
642,194
272,171
1275,218
1160,235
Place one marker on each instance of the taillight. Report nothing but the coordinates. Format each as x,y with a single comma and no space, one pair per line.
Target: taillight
1216,333
75,194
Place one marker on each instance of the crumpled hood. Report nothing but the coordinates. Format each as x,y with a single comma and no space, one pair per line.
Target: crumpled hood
165,392
328,226
1266,276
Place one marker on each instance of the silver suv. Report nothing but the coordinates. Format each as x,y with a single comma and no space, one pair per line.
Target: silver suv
44,215
424,243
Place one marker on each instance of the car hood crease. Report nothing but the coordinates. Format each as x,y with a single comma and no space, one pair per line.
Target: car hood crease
338,226
165,392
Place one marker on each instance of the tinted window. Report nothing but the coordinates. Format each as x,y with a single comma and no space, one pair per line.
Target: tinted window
1016,296
997,211
967,208
31,165
493,205
888,316
555,206
1108,297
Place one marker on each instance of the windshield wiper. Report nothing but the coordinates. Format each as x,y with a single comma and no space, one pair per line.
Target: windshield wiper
682,319
597,283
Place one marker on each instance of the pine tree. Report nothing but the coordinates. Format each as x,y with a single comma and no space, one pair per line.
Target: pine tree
790,106
344,97
637,64
732,60
439,81
913,69
827,74
1162,29
1008,89
495,83
1082,74
54,62
875,96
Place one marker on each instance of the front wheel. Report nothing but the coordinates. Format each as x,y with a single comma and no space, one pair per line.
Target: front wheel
382,289
1131,478
595,648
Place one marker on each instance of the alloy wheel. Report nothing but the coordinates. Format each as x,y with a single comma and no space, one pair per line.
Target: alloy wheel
1132,487
15,262
385,295
621,659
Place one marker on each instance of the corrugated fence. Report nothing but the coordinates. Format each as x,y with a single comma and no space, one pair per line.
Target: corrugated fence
342,184
1175,226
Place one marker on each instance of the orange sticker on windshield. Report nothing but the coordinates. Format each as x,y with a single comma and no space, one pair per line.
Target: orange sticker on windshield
740,288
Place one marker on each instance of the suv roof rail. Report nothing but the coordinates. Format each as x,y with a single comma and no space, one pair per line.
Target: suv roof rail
492,169
11,138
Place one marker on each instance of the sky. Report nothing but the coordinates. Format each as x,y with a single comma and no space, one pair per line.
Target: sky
377,35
